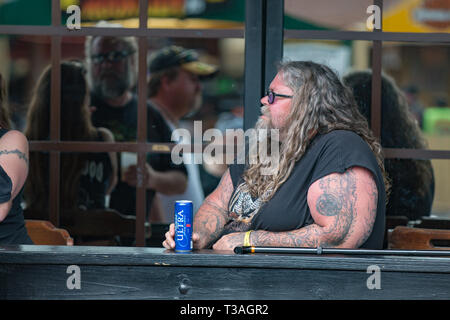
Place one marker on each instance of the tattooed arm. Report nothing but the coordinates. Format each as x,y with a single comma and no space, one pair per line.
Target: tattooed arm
14,161
210,218
343,207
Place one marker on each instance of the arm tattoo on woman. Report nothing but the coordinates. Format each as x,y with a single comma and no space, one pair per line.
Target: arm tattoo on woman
19,154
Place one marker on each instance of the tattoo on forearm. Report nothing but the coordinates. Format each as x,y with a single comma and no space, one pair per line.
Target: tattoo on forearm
19,153
210,224
305,237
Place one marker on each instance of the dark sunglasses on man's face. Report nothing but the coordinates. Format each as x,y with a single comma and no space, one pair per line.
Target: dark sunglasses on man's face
271,96
113,56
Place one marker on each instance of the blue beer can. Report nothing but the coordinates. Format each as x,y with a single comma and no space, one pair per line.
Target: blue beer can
183,225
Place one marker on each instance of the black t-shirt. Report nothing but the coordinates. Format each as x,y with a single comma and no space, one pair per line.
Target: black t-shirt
122,121
94,179
288,209
12,228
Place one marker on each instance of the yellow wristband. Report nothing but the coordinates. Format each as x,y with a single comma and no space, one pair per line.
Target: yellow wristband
247,239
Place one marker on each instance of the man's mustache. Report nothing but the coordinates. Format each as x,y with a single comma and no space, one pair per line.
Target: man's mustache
265,111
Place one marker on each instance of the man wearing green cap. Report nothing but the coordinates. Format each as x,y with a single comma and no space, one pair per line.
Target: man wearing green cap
175,90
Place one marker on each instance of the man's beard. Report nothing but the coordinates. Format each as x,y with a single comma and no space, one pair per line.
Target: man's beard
111,86
266,123
266,136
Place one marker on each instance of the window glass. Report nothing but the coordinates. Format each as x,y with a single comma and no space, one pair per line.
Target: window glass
441,203
167,14
25,12
24,60
416,16
420,73
336,54
36,187
113,13
327,15
418,188
196,14
199,100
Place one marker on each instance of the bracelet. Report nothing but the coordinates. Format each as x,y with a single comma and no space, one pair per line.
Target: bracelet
247,239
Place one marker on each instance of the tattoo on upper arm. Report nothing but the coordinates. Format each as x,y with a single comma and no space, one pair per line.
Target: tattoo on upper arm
17,152
328,204
338,199
369,219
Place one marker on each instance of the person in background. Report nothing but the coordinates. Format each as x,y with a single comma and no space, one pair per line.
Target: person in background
415,106
175,90
86,178
111,63
13,174
328,186
232,118
412,180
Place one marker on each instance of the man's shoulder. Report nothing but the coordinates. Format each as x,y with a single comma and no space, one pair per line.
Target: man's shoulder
155,117
343,138
153,111
340,135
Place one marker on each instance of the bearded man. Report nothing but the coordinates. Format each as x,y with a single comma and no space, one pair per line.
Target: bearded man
111,63
329,188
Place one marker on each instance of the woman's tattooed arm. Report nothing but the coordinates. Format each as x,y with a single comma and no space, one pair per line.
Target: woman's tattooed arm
20,154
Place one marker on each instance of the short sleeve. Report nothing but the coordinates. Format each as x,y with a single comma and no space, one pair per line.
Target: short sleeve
342,150
5,186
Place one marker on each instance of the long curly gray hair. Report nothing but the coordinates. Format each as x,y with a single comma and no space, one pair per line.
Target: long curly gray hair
320,104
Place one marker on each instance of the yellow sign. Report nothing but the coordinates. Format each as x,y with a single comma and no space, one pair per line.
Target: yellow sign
95,10
418,16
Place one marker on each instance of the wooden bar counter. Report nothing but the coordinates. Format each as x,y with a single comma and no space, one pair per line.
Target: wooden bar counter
82,272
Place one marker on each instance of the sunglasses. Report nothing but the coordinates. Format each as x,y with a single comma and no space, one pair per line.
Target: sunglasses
271,96
113,56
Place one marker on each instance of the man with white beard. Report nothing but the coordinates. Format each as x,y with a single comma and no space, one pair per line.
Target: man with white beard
111,63
329,186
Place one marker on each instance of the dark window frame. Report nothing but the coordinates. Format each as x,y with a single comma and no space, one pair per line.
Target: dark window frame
263,34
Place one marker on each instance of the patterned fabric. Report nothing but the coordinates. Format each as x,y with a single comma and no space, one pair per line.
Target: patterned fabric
242,207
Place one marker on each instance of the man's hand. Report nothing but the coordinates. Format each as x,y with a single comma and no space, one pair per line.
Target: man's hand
166,182
230,241
131,175
169,243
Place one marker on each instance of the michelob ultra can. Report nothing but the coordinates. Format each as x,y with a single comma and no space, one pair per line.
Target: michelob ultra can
183,225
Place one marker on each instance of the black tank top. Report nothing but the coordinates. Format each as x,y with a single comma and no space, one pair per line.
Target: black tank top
288,209
12,228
